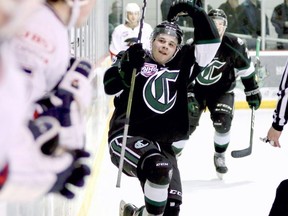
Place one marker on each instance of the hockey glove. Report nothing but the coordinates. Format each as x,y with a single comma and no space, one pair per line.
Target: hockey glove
33,174
182,8
253,98
76,81
193,112
133,57
74,175
193,105
45,131
68,103
61,105
252,92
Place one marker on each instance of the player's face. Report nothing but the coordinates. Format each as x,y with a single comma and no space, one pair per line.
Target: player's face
163,48
133,18
220,25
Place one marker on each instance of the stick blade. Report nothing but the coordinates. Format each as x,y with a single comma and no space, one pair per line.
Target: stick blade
241,153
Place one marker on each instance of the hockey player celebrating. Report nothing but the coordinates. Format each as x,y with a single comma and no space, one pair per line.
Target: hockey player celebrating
125,34
159,112
26,173
214,87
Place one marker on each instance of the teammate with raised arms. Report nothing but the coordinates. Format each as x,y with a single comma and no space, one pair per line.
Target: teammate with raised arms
213,88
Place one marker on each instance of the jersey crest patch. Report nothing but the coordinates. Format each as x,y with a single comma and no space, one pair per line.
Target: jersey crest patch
149,69
159,91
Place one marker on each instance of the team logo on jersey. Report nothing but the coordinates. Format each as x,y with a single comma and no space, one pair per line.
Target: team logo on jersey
141,144
211,74
149,69
158,91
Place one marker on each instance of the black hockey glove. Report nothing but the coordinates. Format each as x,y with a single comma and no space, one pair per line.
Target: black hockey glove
182,8
133,57
252,92
74,175
193,105
193,112
253,98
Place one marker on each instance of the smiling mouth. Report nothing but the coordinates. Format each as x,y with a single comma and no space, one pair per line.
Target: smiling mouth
162,52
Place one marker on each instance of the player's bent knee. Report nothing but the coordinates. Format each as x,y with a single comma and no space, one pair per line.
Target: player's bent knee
222,123
157,169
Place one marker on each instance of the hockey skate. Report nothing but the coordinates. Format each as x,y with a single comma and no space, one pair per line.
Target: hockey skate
128,209
219,162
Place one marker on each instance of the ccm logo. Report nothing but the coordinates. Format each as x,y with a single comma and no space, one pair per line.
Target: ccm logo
175,192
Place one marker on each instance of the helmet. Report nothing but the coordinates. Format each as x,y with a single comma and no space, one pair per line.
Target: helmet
132,7
218,14
15,12
170,28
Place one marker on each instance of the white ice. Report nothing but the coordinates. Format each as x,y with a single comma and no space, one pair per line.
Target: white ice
247,189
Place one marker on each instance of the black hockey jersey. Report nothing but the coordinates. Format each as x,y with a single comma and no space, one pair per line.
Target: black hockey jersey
159,106
231,60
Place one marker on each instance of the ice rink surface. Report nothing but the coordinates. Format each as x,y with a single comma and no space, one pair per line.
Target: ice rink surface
247,189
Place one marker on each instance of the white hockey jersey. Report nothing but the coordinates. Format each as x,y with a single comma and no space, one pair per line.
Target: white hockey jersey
16,143
31,174
123,33
13,103
42,50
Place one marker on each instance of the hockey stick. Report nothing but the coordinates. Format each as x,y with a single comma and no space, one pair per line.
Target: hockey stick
129,104
247,151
